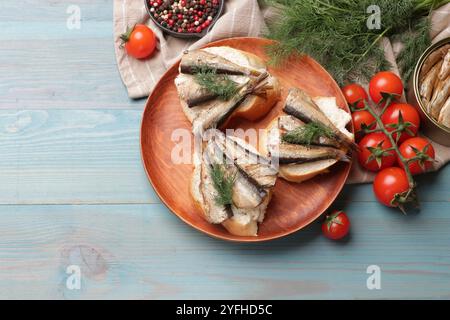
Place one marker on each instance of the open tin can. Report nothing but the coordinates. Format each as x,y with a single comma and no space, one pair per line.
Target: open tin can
430,127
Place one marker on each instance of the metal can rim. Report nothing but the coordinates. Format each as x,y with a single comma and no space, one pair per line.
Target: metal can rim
417,69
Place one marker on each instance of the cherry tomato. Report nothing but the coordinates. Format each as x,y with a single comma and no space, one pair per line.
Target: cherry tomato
336,225
373,154
388,183
140,41
355,93
409,120
386,82
417,147
361,118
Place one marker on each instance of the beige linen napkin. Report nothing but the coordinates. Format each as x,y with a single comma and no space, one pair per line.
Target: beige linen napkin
241,18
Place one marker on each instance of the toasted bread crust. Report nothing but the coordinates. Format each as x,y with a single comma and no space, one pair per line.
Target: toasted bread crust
256,107
238,229
289,173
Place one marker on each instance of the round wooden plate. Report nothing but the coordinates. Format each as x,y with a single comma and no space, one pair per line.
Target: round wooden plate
293,205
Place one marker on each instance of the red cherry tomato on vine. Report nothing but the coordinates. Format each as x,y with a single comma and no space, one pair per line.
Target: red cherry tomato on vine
409,120
386,82
388,183
355,93
336,225
417,147
373,154
361,118
139,42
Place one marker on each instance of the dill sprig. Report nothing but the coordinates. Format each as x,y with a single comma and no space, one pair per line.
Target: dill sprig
307,134
335,33
223,183
220,85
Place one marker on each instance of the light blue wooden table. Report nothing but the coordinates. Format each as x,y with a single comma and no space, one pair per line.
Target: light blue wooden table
73,192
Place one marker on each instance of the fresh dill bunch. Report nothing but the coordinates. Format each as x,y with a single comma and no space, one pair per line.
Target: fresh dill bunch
335,33
223,183
307,134
220,85
416,40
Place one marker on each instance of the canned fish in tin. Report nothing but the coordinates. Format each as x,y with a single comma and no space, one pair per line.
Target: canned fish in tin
430,125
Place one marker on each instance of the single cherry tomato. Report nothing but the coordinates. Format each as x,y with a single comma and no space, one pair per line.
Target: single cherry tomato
336,225
389,183
419,148
404,117
385,82
139,41
374,154
363,119
355,93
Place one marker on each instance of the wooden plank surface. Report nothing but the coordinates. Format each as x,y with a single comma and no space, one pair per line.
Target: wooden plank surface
43,64
71,156
135,251
73,192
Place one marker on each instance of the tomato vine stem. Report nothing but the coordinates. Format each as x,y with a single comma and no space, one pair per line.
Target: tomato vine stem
410,195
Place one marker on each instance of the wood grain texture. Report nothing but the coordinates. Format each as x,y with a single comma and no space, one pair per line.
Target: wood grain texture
71,156
43,64
135,251
293,205
55,156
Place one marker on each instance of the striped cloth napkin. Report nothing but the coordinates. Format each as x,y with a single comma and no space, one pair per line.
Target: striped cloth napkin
241,18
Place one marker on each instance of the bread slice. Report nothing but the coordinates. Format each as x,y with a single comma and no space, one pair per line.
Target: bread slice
254,106
305,171
339,117
245,223
241,224
239,57
238,221
291,172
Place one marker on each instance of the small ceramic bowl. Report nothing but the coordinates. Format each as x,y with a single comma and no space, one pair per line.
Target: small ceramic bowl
187,35
429,125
